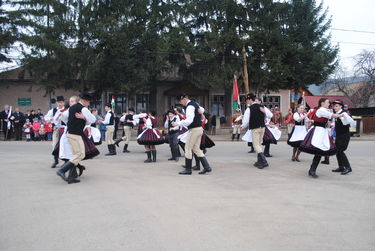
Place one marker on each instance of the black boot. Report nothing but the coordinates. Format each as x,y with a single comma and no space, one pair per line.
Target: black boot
263,161
197,166
314,166
126,149
173,154
187,170
176,156
153,155
64,168
252,149
267,151
346,171
238,137
72,176
206,166
80,168
233,135
326,160
117,141
348,168
148,160
339,169
259,161
56,161
111,149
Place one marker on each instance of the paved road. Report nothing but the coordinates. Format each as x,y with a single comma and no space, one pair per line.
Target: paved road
124,204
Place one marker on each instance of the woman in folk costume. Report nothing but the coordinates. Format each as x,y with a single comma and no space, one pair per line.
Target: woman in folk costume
63,149
138,120
318,141
342,126
150,136
299,131
271,133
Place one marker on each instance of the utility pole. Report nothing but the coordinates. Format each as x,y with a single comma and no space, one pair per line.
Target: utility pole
245,73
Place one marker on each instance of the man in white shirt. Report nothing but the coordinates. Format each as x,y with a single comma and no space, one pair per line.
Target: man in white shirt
109,121
193,122
79,116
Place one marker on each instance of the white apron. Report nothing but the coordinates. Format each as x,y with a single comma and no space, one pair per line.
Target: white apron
65,150
299,133
320,138
275,132
248,137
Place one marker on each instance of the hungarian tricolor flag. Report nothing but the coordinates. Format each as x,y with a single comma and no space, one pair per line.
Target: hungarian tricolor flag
236,96
113,103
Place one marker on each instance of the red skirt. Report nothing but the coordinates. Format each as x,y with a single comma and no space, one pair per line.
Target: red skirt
268,137
206,142
151,137
307,147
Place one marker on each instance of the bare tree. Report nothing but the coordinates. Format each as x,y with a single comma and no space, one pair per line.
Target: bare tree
365,66
360,88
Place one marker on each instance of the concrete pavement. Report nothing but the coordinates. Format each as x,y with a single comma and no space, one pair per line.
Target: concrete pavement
124,204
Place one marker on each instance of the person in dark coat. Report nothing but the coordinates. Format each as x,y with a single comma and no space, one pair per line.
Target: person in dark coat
19,120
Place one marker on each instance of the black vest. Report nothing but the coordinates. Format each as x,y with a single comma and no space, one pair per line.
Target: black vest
129,117
54,111
75,126
197,122
302,122
340,127
112,119
256,117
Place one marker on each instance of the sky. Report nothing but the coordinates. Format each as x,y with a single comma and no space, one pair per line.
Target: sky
348,15
352,15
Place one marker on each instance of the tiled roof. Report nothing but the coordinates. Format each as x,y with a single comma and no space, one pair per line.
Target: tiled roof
312,101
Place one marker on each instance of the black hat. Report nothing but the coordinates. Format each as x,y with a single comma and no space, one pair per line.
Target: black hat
338,102
131,110
250,96
108,104
85,96
60,98
181,96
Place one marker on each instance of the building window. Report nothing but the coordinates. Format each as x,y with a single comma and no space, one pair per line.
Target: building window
120,103
272,102
217,105
141,102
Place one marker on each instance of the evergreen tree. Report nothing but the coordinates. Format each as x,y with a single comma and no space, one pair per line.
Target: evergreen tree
310,58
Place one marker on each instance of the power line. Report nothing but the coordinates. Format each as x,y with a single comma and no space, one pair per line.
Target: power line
342,42
358,31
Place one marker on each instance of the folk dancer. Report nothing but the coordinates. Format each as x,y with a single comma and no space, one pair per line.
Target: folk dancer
109,121
298,132
342,126
56,129
254,119
173,133
128,121
79,116
150,137
318,141
194,124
